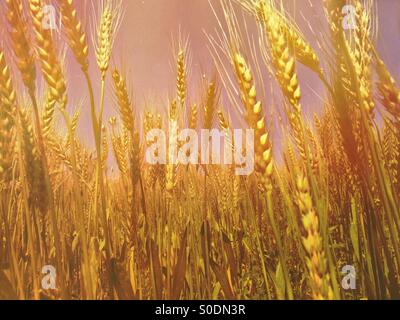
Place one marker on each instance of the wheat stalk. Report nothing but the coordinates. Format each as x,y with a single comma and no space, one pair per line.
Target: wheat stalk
33,164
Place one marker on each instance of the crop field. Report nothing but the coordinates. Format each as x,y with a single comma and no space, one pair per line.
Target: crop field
316,217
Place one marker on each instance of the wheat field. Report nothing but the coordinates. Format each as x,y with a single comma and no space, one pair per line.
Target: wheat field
112,226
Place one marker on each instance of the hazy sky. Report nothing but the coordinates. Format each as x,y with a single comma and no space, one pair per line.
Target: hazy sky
143,46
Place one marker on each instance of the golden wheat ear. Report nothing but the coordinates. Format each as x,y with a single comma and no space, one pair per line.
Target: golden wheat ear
123,99
119,152
8,95
48,115
75,34
21,43
210,104
47,54
316,261
193,117
389,91
107,28
255,120
7,115
181,77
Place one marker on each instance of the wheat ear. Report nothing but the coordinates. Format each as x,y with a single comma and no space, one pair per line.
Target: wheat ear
193,117
316,260
75,35
124,102
107,28
7,92
389,92
33,163
7,114
181,78
170,173
46,52
362,56
255,119
20,43
285,67
119,153
299,47
210,105
48,115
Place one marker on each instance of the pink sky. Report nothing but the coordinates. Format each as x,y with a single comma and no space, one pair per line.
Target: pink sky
143,47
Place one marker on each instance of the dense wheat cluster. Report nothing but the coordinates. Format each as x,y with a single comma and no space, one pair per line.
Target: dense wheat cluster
190,231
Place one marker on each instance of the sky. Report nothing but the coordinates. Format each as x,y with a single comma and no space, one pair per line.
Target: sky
143,48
